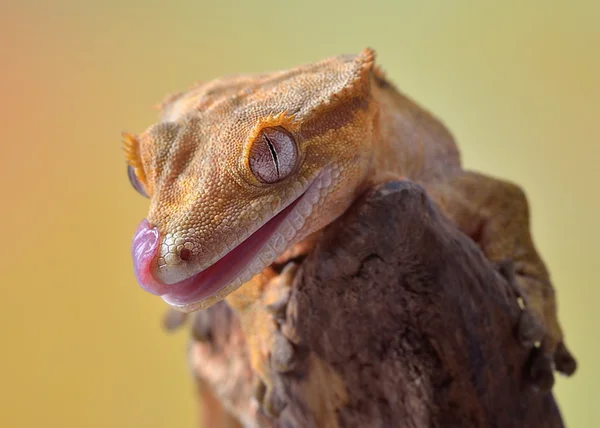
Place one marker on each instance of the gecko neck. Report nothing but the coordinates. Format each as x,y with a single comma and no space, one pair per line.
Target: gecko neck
410,142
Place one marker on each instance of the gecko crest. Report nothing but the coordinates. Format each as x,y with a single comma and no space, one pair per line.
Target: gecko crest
131,149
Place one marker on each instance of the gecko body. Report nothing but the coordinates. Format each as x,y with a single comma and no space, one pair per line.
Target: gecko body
242,170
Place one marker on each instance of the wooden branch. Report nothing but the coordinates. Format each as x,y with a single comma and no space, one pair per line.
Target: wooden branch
396,319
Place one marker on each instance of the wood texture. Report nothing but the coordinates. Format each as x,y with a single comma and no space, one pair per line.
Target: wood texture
396,319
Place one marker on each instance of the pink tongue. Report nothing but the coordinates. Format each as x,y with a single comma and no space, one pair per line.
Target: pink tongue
143,249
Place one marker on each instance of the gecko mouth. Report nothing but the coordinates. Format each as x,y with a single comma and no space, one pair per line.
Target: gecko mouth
232,269
206,287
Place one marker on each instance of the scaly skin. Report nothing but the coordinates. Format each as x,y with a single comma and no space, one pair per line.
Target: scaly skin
333,129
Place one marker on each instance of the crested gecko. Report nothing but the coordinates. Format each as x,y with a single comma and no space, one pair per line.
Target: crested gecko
243,171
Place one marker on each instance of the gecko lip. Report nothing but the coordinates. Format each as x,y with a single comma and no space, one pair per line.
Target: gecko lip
226,270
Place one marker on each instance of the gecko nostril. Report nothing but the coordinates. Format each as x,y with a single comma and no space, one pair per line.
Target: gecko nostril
185,254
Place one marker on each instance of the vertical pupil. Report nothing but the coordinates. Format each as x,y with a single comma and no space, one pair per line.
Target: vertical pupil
273,154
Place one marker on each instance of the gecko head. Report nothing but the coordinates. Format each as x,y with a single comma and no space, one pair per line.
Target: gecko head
241,168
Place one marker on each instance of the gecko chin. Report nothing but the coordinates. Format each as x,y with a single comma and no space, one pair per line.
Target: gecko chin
238,265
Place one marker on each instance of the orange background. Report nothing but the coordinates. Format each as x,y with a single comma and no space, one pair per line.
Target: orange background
518,83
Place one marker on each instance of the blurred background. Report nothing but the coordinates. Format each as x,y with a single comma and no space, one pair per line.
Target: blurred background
518,83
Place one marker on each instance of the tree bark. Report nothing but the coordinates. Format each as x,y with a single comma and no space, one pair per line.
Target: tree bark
395,319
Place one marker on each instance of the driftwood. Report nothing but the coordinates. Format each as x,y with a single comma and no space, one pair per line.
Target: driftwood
396,319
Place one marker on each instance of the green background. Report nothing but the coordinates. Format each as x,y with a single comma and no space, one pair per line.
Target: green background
517,82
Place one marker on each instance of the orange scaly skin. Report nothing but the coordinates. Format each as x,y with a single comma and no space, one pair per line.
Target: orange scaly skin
352,129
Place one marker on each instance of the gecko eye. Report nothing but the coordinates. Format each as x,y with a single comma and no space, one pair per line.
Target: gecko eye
135,182
273,155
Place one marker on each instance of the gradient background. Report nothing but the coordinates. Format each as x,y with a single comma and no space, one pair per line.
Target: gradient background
518,83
